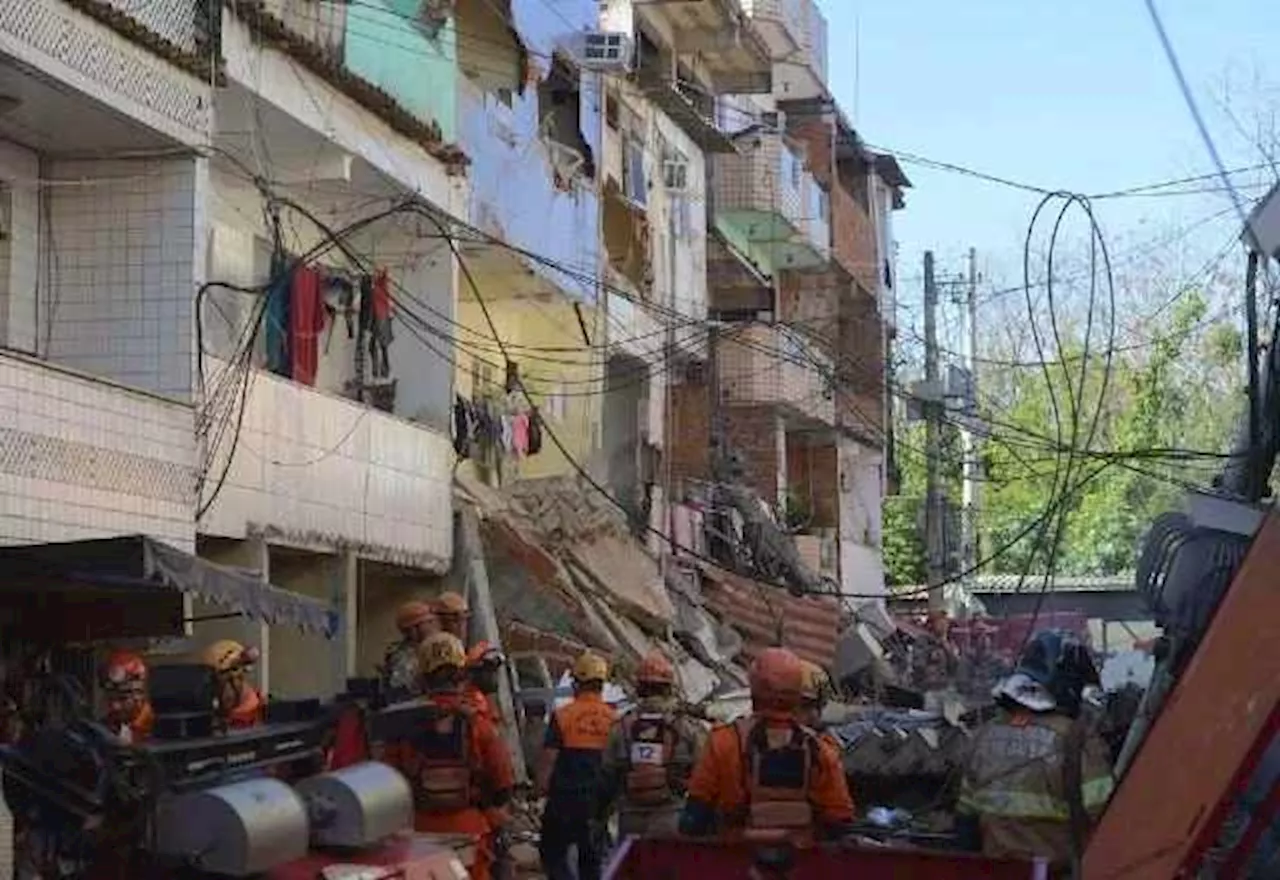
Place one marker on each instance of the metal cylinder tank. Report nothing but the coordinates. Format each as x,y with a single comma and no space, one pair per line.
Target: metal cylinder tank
236,830
357,806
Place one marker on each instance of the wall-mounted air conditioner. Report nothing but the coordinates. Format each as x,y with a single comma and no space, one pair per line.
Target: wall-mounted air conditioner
601,50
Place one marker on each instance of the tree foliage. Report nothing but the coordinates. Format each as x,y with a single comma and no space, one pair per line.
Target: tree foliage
1181,388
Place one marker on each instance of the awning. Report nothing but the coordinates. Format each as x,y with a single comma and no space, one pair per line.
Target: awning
137,562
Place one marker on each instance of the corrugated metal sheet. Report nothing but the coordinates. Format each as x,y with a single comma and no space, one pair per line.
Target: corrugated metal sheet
808,625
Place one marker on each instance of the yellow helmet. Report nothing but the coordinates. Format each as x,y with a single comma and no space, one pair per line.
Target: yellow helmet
816,685
439,651
590,667
226,655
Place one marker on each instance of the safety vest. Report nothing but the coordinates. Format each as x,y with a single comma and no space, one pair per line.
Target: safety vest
441,770
776,779
651,742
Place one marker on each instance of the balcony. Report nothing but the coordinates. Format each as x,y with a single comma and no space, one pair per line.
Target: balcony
321,469
769,365
802,72
735,57
780,23
84,458
770,205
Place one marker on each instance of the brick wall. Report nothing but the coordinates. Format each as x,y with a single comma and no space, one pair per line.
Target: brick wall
813,477
810,302
81,458
755,434
689,431
127,257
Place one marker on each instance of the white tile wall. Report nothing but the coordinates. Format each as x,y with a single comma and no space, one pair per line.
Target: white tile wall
19,200
316,469
127,254
81,458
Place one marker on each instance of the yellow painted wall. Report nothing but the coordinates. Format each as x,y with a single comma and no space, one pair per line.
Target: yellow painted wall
529,325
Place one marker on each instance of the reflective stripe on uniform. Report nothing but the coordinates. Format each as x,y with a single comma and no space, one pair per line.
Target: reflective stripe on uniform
993,801
1096,792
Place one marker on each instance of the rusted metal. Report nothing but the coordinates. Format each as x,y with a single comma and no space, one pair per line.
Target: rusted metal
714,861
808,625
1219,716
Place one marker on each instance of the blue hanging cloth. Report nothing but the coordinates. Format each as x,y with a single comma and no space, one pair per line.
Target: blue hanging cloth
277,318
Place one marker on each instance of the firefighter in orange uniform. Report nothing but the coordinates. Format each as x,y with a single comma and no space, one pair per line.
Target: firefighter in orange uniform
766,776
814,694
458,767
124,682
569,774
452,614
484,668
399,671
239,703
650,755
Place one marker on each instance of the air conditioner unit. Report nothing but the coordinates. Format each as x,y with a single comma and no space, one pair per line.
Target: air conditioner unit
774,120
602,50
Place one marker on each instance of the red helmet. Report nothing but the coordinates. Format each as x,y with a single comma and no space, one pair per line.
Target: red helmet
777,679
124,670
655,668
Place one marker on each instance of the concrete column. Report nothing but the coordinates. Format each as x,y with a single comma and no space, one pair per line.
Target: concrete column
344,592
251,554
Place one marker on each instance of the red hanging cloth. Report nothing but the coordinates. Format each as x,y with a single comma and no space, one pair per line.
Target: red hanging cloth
306,320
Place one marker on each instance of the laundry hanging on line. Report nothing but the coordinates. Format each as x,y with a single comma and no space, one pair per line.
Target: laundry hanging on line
486,427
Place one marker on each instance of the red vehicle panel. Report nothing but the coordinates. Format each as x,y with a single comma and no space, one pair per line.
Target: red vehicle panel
681,859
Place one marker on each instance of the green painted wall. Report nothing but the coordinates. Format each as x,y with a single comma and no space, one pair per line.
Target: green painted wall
385,46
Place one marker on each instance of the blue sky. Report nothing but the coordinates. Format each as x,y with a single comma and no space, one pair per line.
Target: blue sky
1074,94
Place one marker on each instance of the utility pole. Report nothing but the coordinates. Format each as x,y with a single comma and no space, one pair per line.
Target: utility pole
933,512
968,440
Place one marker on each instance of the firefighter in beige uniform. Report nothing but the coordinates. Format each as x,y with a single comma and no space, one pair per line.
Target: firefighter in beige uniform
649,756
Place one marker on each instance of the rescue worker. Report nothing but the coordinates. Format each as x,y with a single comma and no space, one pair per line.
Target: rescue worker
124,683
484,670
569,774
649,757
814,693
766,776
458,767
399,670
453,614
239,705
1016,793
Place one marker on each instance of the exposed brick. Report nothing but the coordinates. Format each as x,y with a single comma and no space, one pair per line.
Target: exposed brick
813,478
689,431
753,433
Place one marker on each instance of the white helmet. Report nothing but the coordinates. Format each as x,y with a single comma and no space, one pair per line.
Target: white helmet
1025,691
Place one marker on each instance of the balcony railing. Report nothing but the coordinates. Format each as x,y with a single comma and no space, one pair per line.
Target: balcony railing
766,191
764,365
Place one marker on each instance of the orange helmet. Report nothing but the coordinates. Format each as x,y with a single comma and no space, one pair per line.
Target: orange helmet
484,654
124,670
777,679
412,614
451,604
655,668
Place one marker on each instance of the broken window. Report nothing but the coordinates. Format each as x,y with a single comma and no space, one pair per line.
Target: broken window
634,183
560,115
489,51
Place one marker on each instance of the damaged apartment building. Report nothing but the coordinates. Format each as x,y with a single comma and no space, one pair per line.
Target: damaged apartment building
351,301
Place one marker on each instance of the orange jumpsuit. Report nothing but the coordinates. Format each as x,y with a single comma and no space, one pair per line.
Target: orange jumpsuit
721,782
249,711
460,768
